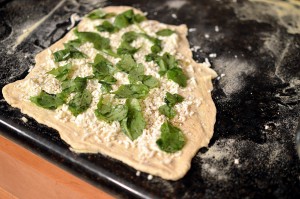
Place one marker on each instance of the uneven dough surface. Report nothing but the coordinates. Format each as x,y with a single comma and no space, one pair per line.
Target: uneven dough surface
141,154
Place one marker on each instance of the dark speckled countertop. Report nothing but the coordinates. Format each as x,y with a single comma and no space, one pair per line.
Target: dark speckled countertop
257,46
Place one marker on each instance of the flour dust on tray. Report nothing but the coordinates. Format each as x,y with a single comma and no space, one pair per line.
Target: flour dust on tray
126,87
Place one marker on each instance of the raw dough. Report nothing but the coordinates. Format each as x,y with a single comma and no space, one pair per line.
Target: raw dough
198,128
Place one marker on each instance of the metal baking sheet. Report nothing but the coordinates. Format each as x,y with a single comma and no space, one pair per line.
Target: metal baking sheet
255,48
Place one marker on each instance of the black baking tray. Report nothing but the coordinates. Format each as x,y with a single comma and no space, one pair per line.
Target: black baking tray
252,153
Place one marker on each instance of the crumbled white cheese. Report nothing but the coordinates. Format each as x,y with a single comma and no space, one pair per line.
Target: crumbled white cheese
206,36
236,161
24,119
212,55
192,29
150,177
174,16
195,48
138,173
217,28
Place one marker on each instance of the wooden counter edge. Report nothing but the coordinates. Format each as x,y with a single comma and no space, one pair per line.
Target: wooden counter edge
26,175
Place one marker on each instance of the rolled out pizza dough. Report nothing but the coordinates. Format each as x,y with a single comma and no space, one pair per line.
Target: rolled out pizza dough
85,134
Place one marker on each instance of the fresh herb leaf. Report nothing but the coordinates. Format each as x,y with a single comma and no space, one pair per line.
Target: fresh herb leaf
99,58
172,99
165,32
105,87
73,43
168,111
100,14
156,49
109,113
134,124
127,18
171,139
127,39
177,75
150,81
169,65
163,67
106,26
126,48
67,53
130,36
132,91
126,64
138,18
124,19
80,102
152,57
100,43
103,69
61,73
75,85
165,63
169,60
47,101
136,74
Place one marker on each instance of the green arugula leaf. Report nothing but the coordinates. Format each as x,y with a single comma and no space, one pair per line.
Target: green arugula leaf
126,48
152,57
134,124
106,26
165,32
61,73
172,99
80,102
127,39
47,101
68,53
169,65
168,111
132,91
105,87
150,81
109,113
165,63
126,64
156,48
75,85
169,60
99,58
73,43
103,69
127,18
138,18
136,74
177,75
100,14
124,19
100,43
130,36
171,139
